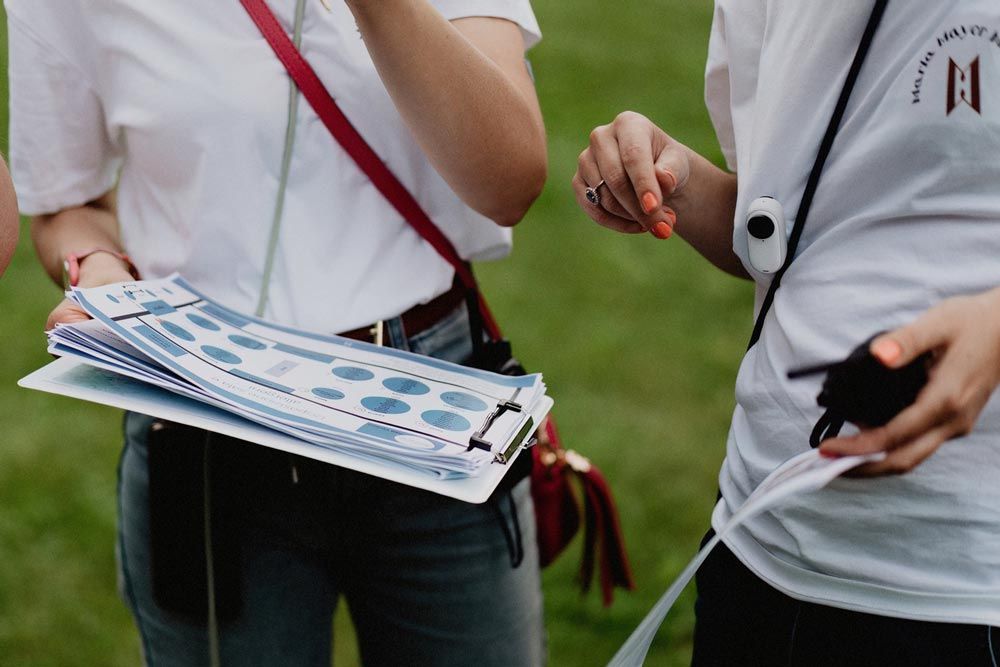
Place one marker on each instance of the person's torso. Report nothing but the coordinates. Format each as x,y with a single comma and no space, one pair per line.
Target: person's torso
200,104
907,213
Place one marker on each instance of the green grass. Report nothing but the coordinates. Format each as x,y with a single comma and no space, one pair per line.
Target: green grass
639,341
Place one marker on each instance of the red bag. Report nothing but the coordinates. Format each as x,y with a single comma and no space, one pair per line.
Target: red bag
557,512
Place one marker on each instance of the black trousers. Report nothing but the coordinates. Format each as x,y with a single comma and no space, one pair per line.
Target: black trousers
743,621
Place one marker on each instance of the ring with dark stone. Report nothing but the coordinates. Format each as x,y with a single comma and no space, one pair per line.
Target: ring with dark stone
592,194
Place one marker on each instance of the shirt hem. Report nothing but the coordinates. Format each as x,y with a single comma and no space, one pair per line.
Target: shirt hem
822,589
520,15
30,203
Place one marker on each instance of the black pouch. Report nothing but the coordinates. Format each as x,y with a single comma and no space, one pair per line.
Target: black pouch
177,519
860,390
496,356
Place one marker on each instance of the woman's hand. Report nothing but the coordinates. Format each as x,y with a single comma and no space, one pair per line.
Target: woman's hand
648,181
97,269
641,169
963,335
67,312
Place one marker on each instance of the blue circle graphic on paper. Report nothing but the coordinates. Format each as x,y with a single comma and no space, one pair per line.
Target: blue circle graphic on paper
219,354
406,386
175,330
353,373
248,343
457,399
327,393
449,421
384,405
203,322
113,299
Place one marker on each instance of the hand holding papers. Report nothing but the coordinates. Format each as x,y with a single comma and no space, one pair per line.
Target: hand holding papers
391,409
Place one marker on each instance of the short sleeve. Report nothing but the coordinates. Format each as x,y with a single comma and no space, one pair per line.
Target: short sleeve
61,154
718,96
517,11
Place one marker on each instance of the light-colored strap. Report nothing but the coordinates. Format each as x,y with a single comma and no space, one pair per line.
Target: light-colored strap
286,163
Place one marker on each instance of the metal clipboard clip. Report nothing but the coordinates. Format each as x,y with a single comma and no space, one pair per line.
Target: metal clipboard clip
503,420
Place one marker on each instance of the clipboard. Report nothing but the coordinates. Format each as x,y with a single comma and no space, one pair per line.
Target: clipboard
495,434
69,377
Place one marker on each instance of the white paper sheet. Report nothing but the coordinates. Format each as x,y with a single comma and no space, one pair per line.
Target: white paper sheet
801,474
332,392
69,377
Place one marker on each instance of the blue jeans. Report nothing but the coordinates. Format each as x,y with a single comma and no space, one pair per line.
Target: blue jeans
428,580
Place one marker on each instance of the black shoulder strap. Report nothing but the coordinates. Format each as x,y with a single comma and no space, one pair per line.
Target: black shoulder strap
824,150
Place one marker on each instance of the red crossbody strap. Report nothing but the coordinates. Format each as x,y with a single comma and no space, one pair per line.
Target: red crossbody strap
355,145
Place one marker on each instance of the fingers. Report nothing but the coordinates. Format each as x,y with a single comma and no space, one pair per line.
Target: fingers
927,413
928,332
588,174
672,169
962,333
598,213
621,155
635,146
909,456
611,157
946,408
67,312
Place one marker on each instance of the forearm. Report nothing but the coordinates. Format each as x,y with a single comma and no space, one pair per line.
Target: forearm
705,210
8,218
470,106
77,230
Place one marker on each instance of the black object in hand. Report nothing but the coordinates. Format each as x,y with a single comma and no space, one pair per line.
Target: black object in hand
862,391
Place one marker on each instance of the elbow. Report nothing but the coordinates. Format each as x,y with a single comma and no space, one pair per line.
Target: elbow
511,202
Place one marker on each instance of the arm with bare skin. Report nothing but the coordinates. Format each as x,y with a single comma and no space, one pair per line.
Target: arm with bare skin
466,96
8,218
77,230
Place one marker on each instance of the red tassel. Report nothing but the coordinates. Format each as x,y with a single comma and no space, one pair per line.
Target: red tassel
615,570
557,515
593,512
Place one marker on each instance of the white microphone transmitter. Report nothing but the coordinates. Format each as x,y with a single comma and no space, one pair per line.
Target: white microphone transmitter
766,242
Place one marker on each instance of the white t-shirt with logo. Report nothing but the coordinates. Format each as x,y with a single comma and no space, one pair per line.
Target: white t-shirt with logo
907,213
187,102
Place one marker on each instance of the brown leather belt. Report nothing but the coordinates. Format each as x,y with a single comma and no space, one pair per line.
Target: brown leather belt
419,318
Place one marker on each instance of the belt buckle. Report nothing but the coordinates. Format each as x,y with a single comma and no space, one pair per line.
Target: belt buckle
378,333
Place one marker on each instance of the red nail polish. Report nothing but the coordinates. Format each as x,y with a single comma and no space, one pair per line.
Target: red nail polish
828,454
648,203
661,230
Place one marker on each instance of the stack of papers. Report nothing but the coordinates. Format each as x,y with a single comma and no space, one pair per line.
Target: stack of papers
388,407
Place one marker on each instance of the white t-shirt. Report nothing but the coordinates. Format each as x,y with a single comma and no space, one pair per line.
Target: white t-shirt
187,102
907,213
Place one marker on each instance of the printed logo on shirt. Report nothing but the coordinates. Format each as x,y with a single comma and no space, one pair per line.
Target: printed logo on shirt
963,85
953,70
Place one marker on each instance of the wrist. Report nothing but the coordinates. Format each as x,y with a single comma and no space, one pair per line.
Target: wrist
103,269
98,267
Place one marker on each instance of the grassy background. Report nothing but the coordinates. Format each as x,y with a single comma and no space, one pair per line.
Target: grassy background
639,340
